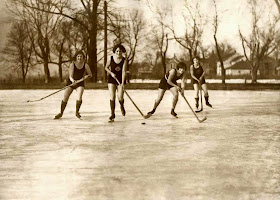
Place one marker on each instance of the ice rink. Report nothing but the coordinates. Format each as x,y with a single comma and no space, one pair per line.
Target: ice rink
234,154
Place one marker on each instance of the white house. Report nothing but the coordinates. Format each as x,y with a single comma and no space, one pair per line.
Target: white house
278,70
228,63
235,65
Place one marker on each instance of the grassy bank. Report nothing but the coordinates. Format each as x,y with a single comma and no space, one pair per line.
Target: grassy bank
211,86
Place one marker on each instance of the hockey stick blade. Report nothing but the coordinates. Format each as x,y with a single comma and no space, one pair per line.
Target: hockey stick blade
202,120
147,116
197,111
34,100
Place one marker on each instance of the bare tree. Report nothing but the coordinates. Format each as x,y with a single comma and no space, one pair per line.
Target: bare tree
194,23
61,46
152,59
67,39
261,41
89,18
215,26
226,49
135,27
40,22
278,5
159,33
19,48
160,40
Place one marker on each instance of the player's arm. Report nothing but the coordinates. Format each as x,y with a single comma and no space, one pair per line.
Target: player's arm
202,75
71,73
192,73
170,77
184,82
89,74
124,68
107,67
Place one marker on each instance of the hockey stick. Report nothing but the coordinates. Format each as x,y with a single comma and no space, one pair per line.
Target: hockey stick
199,120
131,99
59,90
201,103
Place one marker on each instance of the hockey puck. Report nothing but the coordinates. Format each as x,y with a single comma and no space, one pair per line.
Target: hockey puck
143,123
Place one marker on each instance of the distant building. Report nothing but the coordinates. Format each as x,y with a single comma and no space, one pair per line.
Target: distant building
238,65
171,63
240,68
229,62
278,70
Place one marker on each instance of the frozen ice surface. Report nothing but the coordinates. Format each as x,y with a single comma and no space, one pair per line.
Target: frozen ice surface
234,154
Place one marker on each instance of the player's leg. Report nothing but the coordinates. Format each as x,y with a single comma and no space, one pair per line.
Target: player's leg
157,101
206,95
112,90
80,91
175,94
196,90
121,99
68,91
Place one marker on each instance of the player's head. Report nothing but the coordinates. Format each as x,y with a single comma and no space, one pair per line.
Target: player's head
196,60
181,67
79,55
120,47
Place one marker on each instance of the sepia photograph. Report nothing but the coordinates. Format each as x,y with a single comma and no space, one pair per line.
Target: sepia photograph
140,100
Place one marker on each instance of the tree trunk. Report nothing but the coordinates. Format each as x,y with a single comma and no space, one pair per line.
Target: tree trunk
60,71
254,74
223,74
127,73
92,49
191,56
277,4
47,71
163,64
92,59
105,40
60,62
23,74
221,61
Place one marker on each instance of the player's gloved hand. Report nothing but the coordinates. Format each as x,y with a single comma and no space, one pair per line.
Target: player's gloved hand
179,89
74,82
182,92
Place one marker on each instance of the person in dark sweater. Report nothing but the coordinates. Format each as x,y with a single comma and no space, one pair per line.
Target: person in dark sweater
116,68
169,82
77,72
198,80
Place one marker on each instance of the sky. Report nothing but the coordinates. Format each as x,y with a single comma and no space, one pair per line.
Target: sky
234,15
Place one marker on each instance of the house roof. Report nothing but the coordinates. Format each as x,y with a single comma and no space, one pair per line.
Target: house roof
240,65
236,59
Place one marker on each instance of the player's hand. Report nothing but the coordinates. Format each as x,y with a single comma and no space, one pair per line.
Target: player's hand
182,92
178,88
74,82
112,74
125,54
